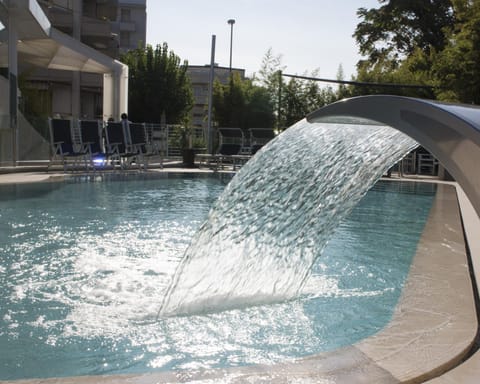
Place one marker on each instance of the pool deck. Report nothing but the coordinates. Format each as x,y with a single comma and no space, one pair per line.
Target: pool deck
429,338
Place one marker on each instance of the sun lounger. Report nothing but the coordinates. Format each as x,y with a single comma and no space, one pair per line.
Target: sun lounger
138,146
116,144
91,140
259,137
63,145
231,142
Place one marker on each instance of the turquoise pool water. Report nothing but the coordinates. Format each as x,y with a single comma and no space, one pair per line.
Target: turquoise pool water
84,266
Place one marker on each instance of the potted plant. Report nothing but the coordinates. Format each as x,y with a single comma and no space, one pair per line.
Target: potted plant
186,147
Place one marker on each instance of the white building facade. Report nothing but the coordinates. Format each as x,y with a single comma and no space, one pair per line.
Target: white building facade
64,53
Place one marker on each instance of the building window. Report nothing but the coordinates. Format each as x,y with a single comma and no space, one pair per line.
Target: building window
125,15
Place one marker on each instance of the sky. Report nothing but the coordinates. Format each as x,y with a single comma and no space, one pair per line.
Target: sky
308,34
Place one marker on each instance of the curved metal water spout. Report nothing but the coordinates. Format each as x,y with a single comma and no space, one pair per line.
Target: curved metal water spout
451,132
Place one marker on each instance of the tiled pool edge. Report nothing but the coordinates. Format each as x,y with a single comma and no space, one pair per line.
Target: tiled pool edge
432,331
469,371
399,353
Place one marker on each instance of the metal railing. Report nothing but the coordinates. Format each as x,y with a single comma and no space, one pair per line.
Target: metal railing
419,163
174,139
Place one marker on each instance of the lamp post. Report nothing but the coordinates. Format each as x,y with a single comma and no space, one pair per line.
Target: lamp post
210,96
231,22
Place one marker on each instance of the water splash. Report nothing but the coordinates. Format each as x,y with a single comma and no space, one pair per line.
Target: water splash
276,215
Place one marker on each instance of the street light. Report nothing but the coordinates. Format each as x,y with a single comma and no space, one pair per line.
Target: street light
231,22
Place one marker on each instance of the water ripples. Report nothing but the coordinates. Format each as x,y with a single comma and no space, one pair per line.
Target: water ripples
82,277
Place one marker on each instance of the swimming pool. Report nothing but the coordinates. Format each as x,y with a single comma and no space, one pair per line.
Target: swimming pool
85,264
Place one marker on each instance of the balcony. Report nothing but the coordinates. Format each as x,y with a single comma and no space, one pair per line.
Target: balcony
95,27
101,9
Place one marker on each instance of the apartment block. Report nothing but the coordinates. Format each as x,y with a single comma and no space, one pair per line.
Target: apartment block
57,58
130,24
111,27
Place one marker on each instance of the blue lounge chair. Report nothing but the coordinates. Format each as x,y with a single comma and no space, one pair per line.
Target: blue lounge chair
138,146
115,144
91,140
63,145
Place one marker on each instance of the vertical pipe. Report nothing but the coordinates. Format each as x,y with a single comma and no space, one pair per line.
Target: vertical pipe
210,94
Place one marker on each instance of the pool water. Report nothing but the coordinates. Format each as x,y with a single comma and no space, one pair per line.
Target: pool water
84,265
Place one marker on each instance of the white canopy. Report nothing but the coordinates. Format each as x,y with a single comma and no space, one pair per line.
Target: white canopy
44,46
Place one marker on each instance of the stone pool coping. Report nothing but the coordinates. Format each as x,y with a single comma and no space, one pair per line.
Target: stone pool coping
432,329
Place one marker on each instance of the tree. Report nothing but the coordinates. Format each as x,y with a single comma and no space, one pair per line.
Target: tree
158,83
406,79
242,104
301,97
443,53
293,103
456,67
401,40
294,99
399,27
342,91
270,78
260,108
